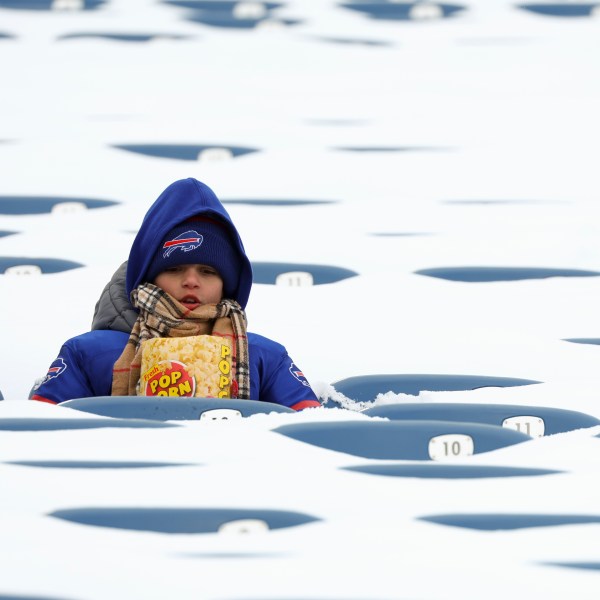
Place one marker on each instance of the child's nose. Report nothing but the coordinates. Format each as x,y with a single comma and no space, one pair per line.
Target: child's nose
191,277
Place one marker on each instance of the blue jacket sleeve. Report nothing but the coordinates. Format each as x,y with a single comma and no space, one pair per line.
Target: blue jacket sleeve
274,377
83,367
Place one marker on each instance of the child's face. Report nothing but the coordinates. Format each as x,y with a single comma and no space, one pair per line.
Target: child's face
192,285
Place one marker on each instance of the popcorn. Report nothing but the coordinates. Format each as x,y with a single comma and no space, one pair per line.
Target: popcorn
197,366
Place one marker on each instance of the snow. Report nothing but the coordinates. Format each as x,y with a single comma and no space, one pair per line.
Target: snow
495,113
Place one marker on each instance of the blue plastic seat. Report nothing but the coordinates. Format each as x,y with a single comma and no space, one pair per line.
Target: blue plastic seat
593,341
403,440
585,565
215,5
58,424
270,202
399,11
365,388
123,37
181,520
95,464
507,521
487,274
428,470
46,4
40,265
567,9
226,20
157,408
269,272
532,420
35,205
181,151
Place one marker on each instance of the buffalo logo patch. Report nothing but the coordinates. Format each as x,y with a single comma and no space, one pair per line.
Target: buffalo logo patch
186,242
57,368
298,374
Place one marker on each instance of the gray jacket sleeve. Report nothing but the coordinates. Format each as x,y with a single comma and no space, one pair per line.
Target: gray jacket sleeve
113,310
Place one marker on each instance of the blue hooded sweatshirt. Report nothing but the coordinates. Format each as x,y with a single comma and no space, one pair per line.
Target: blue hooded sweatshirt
84,365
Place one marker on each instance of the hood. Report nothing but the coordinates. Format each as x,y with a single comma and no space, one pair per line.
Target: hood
182,200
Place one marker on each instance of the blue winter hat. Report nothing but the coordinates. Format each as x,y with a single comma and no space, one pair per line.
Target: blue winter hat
200,241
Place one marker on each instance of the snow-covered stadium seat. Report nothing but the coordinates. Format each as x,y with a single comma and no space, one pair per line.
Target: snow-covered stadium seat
186,520
298,274
562,9
27,265
593,341
487,274
275,202
58,424
231,13
535,421
122,37
35,205
404,440
365,388
404,11
1,396
172,409
506,521
430,470
52,4
96,464
195,152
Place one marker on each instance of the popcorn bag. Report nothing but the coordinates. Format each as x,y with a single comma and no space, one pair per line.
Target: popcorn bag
197,366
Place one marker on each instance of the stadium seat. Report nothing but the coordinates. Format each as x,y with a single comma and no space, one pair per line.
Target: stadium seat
269,202
487,274
95,464
220,5
186,520
403,440
593,341
365,388
27,265
123,37
298,274
51,4
588,566
231,13
506,521
193,152
535,421
430,470
158,408
58,424
404,11
566,9
36,205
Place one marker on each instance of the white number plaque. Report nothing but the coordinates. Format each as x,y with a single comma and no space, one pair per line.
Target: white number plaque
450,445
244,526
295,279
220,414
533,426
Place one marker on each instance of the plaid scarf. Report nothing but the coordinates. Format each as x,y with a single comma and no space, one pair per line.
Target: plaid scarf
160,315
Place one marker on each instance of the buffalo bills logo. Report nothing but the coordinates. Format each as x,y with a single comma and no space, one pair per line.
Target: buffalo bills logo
186,241
298,374
56,368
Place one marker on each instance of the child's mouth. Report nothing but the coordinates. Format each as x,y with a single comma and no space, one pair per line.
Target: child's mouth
190,302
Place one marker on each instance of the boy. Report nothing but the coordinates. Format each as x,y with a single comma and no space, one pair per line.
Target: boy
187,275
